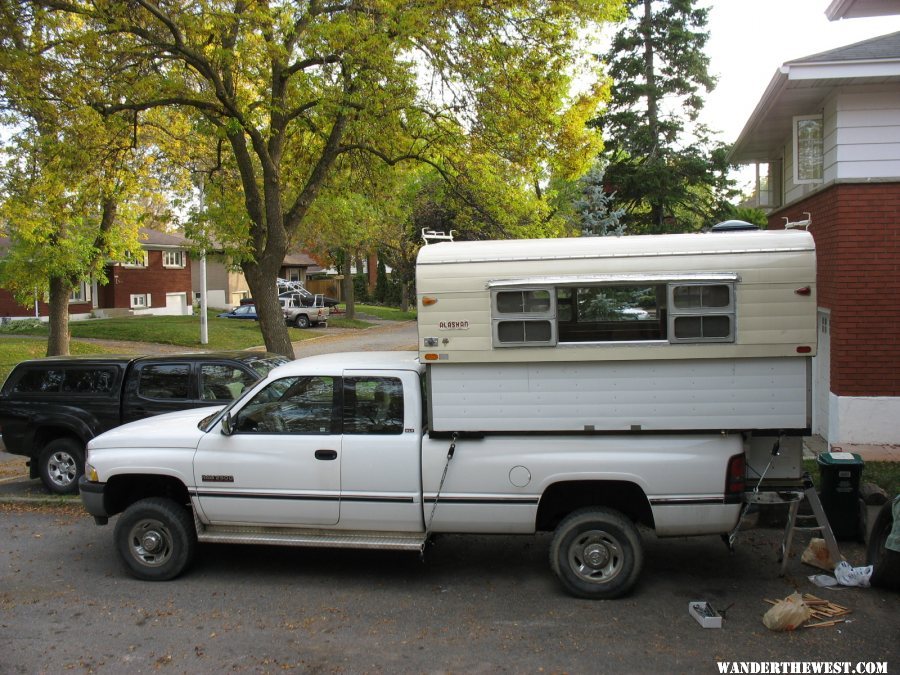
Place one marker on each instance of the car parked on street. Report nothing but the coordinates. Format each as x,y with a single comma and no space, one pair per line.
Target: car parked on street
50,408
241,312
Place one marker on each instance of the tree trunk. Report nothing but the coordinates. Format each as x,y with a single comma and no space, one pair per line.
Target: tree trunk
347,288
58,342
271,319
404,296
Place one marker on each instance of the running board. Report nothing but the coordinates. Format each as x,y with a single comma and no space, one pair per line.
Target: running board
289,536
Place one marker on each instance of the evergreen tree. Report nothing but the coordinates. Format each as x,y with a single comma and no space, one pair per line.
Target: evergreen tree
665,170
594,208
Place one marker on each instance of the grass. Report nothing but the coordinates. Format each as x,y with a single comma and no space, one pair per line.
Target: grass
886,475
16,349
389,313
181,331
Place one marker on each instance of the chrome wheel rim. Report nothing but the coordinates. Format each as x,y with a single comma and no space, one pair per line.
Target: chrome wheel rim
596,556
62,468
150,542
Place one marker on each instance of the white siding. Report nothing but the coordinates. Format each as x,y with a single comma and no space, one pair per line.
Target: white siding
862,139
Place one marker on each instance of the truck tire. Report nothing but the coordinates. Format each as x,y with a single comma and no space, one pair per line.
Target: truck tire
156,539
301,321
597,553
61,464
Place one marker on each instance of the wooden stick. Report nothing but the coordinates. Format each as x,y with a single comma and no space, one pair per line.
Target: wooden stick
824,623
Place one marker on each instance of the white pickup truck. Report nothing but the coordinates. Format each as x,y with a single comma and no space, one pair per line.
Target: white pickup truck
335,451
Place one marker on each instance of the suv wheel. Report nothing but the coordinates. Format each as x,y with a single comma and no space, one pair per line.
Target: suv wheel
61,464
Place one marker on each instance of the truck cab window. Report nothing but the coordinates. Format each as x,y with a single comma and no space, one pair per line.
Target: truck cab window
373,405
222,382
292,405
165,381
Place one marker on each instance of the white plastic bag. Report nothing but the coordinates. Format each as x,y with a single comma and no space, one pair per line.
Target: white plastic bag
852,576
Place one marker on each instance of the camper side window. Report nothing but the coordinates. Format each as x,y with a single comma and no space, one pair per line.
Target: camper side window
611,313
701,313
524,317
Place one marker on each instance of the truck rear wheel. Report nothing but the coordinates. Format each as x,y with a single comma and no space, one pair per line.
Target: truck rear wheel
301,321
156,539
597,553
60,465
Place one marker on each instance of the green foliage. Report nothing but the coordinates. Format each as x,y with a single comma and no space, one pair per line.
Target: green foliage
292,103
361,287
666,171
746,213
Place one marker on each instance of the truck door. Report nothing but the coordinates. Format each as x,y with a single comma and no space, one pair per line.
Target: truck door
380,458
281,464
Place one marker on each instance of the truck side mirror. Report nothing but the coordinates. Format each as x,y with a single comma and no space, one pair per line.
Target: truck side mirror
227,429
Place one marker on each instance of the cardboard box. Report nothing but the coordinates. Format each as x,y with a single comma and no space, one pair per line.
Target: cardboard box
704,613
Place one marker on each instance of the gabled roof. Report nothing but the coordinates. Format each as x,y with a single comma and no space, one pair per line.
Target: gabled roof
800,87
156,239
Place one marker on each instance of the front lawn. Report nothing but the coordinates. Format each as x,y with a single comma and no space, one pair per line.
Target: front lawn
182,331
14,350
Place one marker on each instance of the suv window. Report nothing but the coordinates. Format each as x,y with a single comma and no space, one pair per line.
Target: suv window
165,381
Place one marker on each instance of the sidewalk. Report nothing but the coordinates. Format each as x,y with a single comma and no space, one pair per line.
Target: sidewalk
814,445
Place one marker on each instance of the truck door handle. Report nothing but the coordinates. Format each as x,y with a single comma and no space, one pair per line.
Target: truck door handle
326,454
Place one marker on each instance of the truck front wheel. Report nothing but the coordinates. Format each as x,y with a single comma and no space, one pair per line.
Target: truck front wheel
60,464
156,539
597,553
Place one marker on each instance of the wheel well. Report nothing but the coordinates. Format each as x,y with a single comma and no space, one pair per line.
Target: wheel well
123,491
46,434
561,499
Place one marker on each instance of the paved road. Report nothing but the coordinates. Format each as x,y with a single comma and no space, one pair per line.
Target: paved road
386,335
478,604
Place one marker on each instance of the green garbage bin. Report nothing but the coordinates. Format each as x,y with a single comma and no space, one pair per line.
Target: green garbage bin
839,491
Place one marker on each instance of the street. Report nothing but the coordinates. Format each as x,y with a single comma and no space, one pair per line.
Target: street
477,604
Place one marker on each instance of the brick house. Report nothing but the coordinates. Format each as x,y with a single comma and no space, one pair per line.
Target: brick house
156,282
825,139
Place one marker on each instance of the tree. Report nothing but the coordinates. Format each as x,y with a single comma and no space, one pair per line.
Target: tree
594,208
659,156
290,87
66,172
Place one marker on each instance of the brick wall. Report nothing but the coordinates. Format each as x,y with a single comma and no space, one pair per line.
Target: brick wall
9,307
153,279
857,233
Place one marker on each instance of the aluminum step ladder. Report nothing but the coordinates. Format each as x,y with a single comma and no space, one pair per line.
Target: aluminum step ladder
818,514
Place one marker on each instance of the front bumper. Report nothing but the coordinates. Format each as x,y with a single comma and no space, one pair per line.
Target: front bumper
93,496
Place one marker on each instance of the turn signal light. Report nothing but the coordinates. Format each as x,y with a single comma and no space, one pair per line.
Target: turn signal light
428,301
431,357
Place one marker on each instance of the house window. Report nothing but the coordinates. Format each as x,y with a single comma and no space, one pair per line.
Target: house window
140,300
135,259
809,147
173,258
81,292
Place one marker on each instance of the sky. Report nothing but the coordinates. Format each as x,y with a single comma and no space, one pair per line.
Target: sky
750,39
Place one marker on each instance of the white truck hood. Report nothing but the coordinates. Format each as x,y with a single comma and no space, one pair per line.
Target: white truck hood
171,430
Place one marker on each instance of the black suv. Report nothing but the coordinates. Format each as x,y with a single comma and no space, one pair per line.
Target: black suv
50,408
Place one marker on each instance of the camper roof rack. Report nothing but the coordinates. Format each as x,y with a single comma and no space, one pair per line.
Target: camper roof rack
428,236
